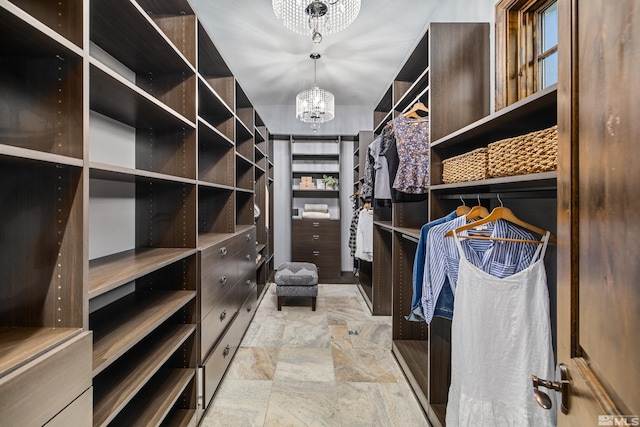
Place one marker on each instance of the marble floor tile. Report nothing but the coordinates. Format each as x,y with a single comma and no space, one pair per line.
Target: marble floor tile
254,363
297,367
305,334
365,365
306,403
370,334
340,336
305,364
379,404
239,403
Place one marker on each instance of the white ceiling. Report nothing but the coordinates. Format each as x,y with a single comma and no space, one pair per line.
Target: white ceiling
272,63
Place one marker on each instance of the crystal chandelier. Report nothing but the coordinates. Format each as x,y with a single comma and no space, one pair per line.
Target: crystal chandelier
315,105
316,17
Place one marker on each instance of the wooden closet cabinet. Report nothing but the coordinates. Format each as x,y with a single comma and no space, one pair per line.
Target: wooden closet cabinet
123,167
448,71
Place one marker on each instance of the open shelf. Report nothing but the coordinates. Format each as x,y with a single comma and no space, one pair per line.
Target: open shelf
110,272
159,399
118,329
116,97
214,111
41,84
115,388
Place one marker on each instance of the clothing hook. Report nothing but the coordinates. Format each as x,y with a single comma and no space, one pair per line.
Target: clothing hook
500,200
462,200
478,196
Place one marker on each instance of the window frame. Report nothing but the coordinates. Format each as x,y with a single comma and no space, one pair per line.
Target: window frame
518,49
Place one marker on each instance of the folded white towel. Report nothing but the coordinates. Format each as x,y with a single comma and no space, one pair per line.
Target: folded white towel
316,215
321,207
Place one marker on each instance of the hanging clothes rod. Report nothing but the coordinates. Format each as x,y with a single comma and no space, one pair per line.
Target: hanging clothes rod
543,194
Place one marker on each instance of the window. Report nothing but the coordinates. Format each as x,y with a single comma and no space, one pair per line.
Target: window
548,57
526,48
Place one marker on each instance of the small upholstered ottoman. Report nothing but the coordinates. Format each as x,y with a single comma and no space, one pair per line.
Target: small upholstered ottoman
297,279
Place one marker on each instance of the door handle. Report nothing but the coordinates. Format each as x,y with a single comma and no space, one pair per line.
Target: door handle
563,386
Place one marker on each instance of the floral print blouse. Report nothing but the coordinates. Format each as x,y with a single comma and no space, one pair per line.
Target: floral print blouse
412,141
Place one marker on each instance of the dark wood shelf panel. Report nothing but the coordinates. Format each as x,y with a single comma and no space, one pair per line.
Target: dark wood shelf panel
152,407
181,418
317,194
116,97
243,130
535,112
27,154
210,61
214,186
412,91
210,239
412,234
214,110
115,388
125,31
211,135
414,355
260,247
19,346
243,159
123,174
316,157
385,225
110,272
22,33
540,181
137,316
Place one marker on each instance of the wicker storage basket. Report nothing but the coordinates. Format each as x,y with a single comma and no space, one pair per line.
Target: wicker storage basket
470,166
524,154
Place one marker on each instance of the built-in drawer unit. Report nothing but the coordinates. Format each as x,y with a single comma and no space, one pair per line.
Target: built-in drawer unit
217,363
214,324
78,413
245,286
318,241
34,393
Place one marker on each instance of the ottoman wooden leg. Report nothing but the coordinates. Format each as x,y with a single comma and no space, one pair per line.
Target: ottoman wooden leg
313,303
280,303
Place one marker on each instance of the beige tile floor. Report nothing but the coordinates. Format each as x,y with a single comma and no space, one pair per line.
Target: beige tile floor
297,367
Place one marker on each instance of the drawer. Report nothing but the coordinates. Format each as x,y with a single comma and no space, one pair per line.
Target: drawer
247,253
247,309
214,287
245,285
217,363
79,413
48,383
311,225
212,326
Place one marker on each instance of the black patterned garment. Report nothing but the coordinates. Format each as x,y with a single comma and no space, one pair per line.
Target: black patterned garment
353,228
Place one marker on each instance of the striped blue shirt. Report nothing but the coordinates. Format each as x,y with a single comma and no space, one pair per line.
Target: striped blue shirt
498,258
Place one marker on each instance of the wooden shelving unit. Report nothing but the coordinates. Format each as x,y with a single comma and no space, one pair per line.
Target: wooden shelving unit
437,74
122,164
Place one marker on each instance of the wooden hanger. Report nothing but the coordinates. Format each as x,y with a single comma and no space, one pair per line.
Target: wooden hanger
417,108
367,206
463,209
502,212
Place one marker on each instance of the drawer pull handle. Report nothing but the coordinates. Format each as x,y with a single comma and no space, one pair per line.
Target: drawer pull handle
226,350
248,237
248,308
223,280
248,257
316,224
316,237
223,251
248,282
316,253
223,315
